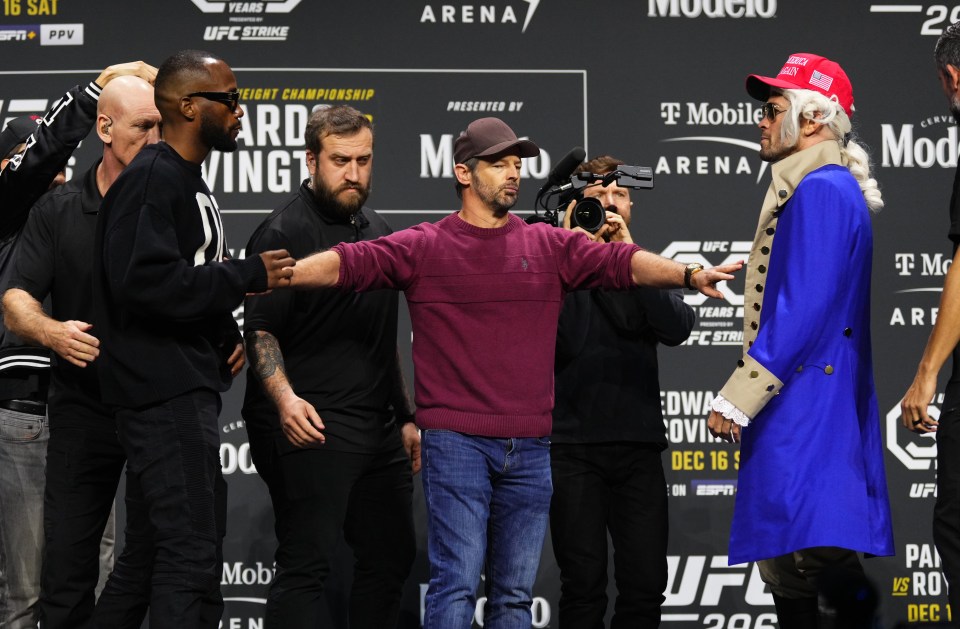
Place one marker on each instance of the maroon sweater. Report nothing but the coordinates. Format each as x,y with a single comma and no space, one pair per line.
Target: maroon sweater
484,305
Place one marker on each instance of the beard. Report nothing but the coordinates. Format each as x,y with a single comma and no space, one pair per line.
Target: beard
215,136
955,108
776,152
329,198
494,198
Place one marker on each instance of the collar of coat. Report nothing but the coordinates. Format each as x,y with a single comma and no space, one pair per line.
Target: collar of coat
790,171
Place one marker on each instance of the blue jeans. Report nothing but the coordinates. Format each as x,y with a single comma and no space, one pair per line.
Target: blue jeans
488,502
23,454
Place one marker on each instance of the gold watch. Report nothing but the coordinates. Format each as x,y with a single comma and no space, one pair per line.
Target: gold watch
688,271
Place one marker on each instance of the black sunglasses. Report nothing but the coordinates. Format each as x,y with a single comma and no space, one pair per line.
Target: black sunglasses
771,111
230,99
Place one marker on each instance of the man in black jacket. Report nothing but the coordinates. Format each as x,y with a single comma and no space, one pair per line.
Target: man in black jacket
32,158
326,361
164,293
608,436
84,457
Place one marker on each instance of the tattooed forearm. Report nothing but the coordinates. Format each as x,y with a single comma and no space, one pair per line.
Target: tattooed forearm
263,351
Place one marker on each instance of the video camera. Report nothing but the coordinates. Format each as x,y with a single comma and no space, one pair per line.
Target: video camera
588,213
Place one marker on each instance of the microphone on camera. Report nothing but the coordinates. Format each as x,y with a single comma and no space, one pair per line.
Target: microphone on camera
564,168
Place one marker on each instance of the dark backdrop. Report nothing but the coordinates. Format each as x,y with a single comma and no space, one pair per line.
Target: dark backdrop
654,82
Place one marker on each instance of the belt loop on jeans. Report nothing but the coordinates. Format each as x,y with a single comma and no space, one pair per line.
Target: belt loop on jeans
24,406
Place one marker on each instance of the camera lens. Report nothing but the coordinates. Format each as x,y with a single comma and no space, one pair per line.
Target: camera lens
589,214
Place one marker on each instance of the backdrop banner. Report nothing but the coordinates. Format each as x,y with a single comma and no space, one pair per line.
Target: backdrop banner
657,83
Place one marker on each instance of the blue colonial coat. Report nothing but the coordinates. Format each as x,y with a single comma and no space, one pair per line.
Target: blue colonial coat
811,464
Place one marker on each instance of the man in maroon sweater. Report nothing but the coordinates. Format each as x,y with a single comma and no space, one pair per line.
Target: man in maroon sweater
484,291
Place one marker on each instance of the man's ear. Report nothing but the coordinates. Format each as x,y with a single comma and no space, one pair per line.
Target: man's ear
952,74
810,127
311,162
188,108
462,173
104,123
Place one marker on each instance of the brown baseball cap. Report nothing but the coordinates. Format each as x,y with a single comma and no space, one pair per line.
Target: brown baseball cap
486,137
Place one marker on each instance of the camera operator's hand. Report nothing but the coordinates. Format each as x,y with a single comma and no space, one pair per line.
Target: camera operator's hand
599,235
615,229
567,213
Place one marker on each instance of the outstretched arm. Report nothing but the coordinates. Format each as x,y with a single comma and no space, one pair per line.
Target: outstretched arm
320,270
650,269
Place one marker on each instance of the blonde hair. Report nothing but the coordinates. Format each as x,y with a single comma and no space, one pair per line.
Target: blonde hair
808,104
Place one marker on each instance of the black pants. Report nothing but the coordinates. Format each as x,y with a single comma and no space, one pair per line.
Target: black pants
946,514
176,512
83,470
620,488
317,494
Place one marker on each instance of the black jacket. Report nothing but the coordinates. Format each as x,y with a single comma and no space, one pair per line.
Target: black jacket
607,378
25,179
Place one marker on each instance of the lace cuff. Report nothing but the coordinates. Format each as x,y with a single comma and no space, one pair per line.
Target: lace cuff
726,408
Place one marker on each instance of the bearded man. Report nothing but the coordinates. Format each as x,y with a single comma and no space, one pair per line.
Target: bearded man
330,424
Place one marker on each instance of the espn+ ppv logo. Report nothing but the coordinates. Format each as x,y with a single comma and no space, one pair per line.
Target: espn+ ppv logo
718,323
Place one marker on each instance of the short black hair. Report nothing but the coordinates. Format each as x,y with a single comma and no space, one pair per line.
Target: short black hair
947,50
178,66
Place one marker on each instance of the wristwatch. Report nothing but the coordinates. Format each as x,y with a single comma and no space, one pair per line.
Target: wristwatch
688,271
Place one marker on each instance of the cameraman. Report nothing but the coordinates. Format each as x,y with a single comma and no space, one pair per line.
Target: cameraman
608,436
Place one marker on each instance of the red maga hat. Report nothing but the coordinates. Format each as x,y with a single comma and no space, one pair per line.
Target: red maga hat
805,71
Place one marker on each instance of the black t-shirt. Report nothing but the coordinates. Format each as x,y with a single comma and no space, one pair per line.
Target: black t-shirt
54,257
606,374
954,235
339,348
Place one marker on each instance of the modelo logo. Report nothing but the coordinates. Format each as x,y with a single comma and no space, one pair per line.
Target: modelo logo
764,9
539,609
903,150
236,458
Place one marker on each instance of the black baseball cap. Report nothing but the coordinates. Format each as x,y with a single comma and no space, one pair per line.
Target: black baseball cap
16,132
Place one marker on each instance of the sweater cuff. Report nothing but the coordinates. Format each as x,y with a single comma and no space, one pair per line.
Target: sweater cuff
751,386
254,274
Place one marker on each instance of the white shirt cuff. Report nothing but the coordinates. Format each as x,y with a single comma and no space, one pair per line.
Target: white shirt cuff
726,408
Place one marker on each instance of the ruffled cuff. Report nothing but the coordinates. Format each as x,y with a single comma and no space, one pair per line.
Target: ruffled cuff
726,408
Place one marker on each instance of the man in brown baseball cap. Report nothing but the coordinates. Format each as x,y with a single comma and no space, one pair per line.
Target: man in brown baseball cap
484,290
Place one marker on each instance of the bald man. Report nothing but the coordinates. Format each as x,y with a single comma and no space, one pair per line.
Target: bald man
164,294
84,457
